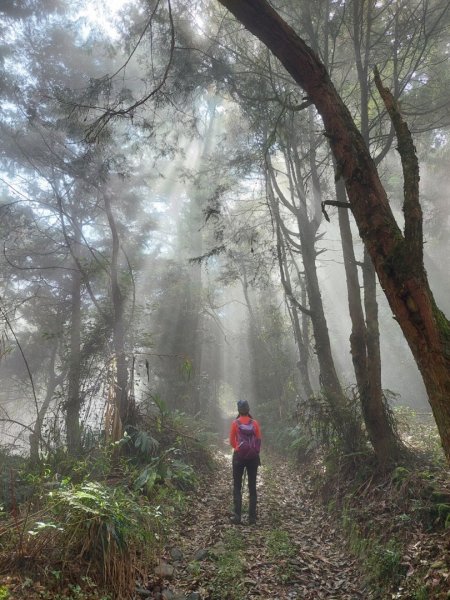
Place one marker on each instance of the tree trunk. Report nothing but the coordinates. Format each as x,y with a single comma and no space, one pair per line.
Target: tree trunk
307,229
126,411
52,382
293,304
377,416
328,376
73,405
396,258
379,429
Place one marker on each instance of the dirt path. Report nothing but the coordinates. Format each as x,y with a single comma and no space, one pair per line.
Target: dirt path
294,552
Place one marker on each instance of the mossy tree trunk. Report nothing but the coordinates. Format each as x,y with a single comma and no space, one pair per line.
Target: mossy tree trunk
397,256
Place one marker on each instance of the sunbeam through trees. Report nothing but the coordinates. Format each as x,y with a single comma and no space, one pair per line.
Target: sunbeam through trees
205,202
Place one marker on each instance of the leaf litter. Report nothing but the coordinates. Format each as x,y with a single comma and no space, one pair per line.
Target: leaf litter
295,551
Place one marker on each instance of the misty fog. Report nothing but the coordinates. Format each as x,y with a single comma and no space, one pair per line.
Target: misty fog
136,223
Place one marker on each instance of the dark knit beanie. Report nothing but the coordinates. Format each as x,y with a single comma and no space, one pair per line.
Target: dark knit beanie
243,406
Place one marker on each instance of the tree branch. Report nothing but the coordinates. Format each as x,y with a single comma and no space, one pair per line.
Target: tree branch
410,166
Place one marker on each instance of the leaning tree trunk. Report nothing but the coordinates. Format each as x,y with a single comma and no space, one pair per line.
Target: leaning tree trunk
328,375
397,258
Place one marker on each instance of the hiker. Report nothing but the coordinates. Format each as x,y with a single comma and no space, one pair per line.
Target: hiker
245,438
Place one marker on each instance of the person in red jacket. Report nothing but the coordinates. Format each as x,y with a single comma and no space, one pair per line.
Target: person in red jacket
245,438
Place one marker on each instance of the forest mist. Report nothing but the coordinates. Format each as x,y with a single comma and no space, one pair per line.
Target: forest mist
139,241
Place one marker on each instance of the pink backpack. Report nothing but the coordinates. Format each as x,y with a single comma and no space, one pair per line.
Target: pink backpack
248,444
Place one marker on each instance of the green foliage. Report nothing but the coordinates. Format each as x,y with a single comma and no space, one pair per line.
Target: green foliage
279,544
107,527
228,580
145,443
86,590
421,593
12,480
281,549
301,443
107,515
337,432
420,432
422,498
166,469
384,562
4,593
187,368
233,540
400,475
139,443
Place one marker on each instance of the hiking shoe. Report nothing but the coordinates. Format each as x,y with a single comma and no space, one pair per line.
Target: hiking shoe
235,520
252,521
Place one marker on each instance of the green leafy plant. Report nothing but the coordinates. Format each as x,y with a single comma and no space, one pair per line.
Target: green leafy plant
165,469
145,443
195,568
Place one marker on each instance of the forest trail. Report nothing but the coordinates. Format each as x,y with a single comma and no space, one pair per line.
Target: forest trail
294,551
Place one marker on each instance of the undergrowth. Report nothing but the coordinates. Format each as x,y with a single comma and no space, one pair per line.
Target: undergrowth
89,527
396,522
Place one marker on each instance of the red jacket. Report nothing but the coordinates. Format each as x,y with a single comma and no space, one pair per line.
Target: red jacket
244,419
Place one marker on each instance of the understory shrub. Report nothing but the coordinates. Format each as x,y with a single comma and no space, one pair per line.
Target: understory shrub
101,518
105,530
320,427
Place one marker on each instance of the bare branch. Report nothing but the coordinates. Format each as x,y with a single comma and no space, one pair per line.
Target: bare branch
410,166
101,122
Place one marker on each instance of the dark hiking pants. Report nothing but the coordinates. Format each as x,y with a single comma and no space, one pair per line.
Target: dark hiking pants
238,473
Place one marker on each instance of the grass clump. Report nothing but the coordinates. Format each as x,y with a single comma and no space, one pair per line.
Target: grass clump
281,549
279,545
104,530
228,581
